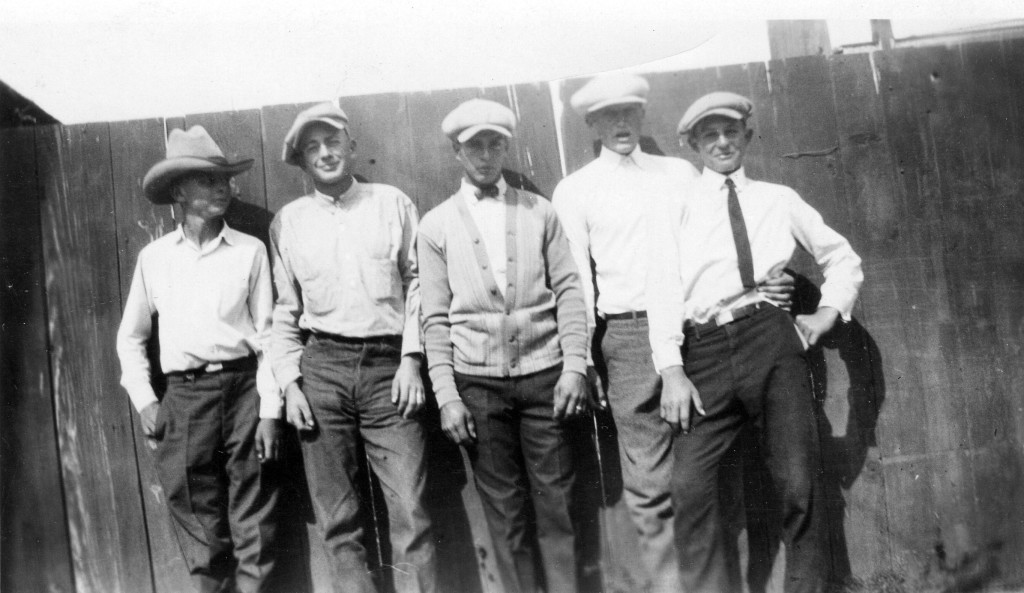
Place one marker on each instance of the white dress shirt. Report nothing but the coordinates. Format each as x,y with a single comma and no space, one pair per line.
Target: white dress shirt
695,275
214,305
344,266
488,215
603,208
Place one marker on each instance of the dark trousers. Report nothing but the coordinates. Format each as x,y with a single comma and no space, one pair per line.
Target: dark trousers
645,445
520,454
751,370
348,386
221,500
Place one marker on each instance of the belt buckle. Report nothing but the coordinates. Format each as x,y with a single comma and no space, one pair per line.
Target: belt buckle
214,367
724,317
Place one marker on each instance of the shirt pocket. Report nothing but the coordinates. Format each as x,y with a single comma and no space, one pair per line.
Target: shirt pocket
234,294
382,280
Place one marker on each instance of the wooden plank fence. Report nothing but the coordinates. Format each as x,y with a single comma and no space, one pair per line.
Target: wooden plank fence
916,155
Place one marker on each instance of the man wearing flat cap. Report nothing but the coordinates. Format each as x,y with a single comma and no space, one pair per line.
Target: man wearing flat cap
217,423
505,335
346,349
728,356
604,208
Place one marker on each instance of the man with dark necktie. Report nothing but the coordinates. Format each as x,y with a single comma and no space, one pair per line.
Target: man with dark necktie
727,356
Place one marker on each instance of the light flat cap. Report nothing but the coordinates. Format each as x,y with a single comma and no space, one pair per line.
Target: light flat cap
476,115
605,90
327,112
724,103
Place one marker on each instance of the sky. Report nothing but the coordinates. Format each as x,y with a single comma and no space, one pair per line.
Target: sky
108,60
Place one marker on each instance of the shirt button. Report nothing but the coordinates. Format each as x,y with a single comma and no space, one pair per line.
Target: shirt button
494,291
485,266
508,311
512,339
512,364
476,241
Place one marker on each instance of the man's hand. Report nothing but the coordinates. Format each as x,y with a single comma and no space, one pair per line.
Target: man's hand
268,438
816,325
457,423
570,395
407,388
296,408
677,395
779,289
597,388
149,428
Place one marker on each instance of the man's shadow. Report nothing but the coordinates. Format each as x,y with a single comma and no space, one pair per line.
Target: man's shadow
842,457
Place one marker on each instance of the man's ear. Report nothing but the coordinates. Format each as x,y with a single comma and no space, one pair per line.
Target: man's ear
692,141
749,134
352,145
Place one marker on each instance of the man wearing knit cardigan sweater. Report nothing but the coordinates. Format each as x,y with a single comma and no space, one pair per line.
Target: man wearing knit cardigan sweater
505,337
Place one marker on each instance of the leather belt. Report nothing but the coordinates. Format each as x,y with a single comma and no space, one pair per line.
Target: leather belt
626,315
724,318
246,363
390,340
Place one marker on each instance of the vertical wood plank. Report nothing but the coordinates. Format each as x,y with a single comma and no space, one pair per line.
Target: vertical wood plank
101,479
853,459
136,146
284,182
34,550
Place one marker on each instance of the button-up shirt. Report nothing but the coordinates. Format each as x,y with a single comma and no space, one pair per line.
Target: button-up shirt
604,209
214,304
489,215
695,274
344,266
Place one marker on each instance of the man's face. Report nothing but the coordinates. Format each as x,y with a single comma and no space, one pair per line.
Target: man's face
483,156
326,153
203,194
721,142
618,126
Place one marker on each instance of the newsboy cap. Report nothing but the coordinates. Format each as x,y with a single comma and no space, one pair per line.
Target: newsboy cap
327,112
724,103
618,88
188,151
476,115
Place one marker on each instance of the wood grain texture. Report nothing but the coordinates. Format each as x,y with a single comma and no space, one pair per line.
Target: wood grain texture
94,419
34,550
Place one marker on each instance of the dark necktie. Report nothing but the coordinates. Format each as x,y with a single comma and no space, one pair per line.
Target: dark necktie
739,236
486,191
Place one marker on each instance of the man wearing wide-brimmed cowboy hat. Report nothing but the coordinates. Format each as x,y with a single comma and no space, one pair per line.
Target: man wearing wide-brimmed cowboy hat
346,349
217,423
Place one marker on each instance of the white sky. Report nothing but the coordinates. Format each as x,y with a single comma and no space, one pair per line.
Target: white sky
115,60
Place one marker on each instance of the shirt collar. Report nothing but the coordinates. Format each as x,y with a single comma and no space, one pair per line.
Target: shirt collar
714,180
227,235
348,196
468,190
614,159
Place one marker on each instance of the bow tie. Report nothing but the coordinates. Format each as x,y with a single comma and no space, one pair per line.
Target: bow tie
486,191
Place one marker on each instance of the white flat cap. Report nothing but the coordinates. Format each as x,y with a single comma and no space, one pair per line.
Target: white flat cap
724,103
327,112
473,116
602,91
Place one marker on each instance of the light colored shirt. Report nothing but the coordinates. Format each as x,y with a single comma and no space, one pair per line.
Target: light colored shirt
489,215
604,208
695,275
214,305
344,266
469,325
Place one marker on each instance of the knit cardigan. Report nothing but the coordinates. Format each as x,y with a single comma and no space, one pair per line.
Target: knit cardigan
469,327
